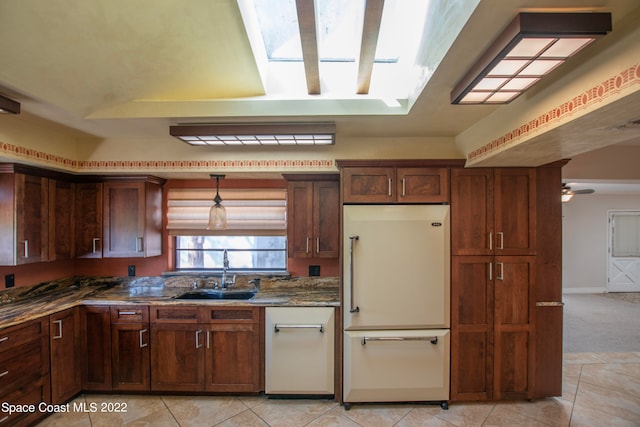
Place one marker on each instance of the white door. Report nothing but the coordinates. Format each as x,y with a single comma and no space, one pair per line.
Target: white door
299,350
396,266
396,366
624,251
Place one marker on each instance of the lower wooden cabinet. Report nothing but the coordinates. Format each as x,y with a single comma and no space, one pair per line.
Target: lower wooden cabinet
130,352
205,349
95,334
24,365
66,358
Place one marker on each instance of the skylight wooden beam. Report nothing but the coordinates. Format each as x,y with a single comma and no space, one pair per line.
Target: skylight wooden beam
370,32
309,41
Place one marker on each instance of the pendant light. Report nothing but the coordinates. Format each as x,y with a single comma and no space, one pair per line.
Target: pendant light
217,213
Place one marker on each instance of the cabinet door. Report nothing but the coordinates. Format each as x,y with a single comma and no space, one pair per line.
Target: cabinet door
369,184
130,356
472,211
177,360
422,185
515,211
513,339
300,220
233,358
61,220
88,231
472,306
326,219
96,348
32,213
124,210
66,379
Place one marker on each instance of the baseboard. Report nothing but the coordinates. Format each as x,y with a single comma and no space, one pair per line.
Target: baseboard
584,290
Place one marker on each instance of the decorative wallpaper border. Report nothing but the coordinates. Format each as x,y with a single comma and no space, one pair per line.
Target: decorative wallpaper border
156,165
588,98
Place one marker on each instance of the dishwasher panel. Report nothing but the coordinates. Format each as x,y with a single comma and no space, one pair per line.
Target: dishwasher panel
388,366
299,350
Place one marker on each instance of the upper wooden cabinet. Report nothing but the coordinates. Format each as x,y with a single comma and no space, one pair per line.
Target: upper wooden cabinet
394,182
493,211
313,212
132,218
88,215
61,219
24,214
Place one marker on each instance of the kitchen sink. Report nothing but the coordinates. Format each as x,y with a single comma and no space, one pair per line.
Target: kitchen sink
217,294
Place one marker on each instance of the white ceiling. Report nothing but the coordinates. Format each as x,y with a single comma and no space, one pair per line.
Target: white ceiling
124,69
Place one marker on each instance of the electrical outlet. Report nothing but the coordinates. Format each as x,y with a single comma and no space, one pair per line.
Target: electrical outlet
9,281
132,270
314,270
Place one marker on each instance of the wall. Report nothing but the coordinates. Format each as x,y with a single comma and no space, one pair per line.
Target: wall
585,240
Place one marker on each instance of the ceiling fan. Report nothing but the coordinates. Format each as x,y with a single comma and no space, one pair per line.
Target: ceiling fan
567,193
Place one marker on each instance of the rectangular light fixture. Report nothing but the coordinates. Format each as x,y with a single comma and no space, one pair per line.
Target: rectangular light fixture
531,46
9,106
252,134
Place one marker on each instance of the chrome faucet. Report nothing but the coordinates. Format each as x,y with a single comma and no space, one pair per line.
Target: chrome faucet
225,267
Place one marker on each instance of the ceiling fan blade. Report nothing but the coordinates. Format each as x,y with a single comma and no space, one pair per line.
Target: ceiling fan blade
585,191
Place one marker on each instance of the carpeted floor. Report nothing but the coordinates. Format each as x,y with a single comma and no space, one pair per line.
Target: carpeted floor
601,322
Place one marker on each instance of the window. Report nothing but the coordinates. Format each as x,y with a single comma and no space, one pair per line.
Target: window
255,237
625,228
255,253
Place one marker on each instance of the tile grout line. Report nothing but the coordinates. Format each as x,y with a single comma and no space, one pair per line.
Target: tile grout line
575,396
170,411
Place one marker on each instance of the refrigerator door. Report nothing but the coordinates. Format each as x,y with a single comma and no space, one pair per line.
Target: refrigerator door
396,266
395,366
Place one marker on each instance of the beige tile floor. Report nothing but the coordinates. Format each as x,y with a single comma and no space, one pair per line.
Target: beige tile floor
599,389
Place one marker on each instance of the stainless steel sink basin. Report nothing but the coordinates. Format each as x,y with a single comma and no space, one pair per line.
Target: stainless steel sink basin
217,294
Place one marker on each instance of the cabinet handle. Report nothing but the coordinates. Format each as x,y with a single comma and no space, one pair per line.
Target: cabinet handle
3,339
317,245
139,244
4,373
307,250
501,234
490,241
490,271
404,187
3,419
277,327
501,275
142,343
208,339
433,340
198,332
26,248
95,246
352,309
389,181
128,313
549,304
57,337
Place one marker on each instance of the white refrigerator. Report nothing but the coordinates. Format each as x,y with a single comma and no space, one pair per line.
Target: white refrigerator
396,303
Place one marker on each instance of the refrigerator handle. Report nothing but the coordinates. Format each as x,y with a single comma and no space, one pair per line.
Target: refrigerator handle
352,309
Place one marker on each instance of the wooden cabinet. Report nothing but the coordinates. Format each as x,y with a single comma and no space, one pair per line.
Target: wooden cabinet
130,354
233,361
95,330
395,184
213,349
66,359
61,219
506,283
494,211
88,215
132,218
24,366
313,212
24,204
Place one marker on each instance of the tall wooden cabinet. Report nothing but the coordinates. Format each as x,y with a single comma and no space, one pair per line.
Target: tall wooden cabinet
132,217
313,212
499,250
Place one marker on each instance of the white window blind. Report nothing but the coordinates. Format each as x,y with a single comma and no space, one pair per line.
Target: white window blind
249,211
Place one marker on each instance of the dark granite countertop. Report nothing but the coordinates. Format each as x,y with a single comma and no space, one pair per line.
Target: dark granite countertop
26,303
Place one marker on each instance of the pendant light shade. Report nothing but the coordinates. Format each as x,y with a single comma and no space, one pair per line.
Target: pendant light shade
217,213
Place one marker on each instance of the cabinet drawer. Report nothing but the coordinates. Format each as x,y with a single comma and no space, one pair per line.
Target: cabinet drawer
129,314
19,335
231,314
22,368
166,314
36,392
